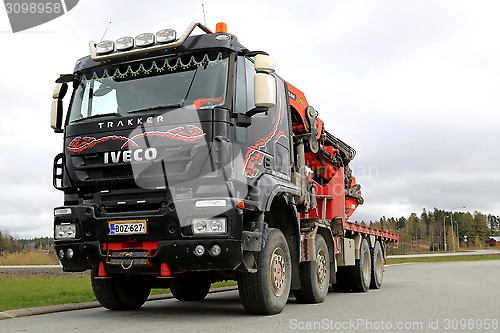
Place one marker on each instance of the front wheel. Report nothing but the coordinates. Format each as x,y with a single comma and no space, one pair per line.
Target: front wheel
266,291
315,275
120,292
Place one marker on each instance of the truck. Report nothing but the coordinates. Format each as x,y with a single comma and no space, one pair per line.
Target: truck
188,160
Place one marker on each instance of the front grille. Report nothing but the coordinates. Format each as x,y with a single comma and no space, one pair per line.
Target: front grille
132,201
118,172
91,167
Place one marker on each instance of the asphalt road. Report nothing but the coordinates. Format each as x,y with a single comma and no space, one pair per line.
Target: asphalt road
430,297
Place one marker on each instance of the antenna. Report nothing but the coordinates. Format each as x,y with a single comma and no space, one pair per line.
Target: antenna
104,34
204,18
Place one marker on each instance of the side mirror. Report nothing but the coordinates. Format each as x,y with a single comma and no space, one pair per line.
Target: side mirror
245,119
57,107
265,83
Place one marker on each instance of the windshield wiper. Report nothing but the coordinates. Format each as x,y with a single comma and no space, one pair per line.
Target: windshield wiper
159,107
100,115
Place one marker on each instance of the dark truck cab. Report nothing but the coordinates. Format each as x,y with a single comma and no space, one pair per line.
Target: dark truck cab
170,159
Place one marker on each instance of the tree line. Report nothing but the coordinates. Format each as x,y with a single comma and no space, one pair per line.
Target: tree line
9,244
440,230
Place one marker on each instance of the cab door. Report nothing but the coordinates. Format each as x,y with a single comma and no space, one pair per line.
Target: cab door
266,142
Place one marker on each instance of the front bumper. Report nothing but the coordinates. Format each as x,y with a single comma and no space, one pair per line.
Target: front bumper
169,240
179,255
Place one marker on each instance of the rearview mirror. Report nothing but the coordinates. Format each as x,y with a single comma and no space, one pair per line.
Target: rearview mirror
264,82
56,112
265,90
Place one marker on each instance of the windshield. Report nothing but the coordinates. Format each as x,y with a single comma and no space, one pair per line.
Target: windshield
197,79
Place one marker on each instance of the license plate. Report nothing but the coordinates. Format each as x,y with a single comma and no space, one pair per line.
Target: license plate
128,227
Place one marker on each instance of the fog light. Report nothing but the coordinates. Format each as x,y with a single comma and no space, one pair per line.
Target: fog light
199,250
104,47
69,253
145,39
166,36
215,250
61,254
124,43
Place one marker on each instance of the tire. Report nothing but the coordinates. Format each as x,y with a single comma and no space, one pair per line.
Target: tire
377,258
360,273
190,289
315,275
266,291
120,292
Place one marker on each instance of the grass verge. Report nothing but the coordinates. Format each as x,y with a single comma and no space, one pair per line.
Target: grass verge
37,291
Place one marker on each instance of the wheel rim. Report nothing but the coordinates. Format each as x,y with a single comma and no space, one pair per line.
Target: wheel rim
322,268
278,271
366,266
379,270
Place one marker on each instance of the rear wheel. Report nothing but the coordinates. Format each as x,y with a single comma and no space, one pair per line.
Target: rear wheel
360,273
315,275
266,291
190,288
120,292
377,275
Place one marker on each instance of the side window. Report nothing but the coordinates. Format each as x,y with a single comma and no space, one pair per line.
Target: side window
282,154
241,87
250,76
244,101
245,85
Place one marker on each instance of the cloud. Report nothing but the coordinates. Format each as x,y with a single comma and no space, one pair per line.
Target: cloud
390,31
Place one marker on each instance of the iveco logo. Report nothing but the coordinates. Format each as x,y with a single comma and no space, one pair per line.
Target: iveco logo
136,155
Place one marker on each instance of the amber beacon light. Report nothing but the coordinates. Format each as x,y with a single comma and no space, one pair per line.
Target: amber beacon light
221,27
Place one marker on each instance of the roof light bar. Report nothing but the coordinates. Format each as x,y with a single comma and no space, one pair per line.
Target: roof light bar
146,42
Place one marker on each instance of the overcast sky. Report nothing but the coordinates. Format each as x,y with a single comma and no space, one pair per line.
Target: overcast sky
412,85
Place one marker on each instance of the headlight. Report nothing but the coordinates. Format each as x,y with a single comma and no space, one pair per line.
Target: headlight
65,231
215,225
